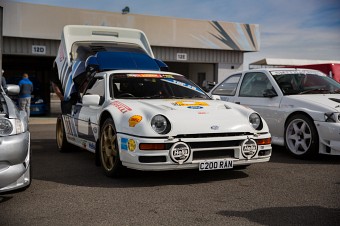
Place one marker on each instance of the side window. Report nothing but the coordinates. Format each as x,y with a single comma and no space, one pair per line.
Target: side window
228,86
96,86
254,84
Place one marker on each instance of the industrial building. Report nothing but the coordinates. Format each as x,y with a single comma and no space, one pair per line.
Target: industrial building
199,49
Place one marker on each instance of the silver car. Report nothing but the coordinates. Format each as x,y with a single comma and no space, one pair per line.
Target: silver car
15,154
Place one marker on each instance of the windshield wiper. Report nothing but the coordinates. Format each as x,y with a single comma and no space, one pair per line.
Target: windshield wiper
314,90
156,96
192,97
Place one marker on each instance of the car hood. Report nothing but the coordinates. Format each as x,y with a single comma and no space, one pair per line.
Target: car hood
186,116
331,102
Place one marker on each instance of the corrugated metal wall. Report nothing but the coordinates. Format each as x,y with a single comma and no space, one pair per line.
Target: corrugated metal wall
198,55
23,46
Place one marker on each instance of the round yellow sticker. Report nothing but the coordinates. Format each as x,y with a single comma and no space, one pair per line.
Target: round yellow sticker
131,145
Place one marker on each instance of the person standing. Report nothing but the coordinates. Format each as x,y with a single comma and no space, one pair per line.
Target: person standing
26,88
3,81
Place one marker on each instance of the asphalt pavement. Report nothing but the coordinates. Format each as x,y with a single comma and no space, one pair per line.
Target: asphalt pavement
69,189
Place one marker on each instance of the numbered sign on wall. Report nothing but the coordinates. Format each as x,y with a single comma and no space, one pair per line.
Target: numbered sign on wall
182,56
38,49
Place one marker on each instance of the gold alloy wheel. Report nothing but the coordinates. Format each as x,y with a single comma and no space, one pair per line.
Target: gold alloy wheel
108,148
60,133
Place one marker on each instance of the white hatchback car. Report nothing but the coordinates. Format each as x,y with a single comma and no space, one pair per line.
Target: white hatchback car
301,106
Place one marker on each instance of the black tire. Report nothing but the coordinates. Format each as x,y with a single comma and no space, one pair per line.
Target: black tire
301,137
109,150
62,144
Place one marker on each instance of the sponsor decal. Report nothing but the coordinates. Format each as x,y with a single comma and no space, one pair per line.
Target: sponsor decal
293,72
214,127
131,145
84,144
180,152
145,75
202,112
124,144
195,107
134,120
92,145
249,148
190,103
121,107
71,138
149,76
175,82
168,76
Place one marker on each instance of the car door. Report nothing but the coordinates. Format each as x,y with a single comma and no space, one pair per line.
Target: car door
256,90
86,115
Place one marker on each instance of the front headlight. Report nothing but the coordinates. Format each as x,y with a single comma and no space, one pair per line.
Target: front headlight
332,117
19,126
11,126
160,124
6,127
255,121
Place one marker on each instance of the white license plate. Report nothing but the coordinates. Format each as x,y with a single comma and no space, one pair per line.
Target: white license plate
215,164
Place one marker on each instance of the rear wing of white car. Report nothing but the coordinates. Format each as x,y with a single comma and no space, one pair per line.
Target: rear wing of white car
78,42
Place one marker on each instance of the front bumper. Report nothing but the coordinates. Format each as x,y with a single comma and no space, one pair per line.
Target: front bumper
329,138
15,162
201,149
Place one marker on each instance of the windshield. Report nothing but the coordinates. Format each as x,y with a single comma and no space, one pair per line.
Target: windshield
154,86
304,82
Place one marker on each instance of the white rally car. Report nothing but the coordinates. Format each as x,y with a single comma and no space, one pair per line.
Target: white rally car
133,114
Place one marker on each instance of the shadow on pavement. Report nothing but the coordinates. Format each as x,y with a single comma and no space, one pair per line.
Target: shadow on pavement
289,216
281,155
78,168
5,198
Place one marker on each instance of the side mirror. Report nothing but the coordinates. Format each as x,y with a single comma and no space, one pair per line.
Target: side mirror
207,86
91,99
13,89
215,97
269,93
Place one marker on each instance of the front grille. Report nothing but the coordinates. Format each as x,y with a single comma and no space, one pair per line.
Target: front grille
213,154
215,144
207,135
152,159
264,152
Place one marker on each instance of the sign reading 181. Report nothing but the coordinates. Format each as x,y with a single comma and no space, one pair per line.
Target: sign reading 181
38,49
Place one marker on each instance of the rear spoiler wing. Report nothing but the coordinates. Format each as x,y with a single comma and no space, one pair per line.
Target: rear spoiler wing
132,39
